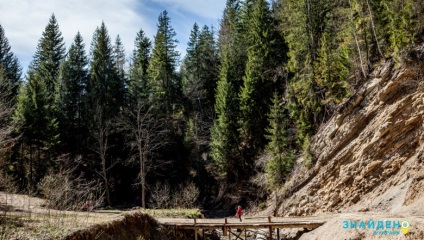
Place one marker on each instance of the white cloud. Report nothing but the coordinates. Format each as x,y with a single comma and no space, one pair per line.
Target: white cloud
211,9
184,13
25,20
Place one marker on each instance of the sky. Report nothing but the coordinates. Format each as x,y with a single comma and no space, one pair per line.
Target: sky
25,20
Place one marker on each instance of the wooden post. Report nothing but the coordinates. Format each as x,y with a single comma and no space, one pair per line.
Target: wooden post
195,229
224,228
270,228
229,229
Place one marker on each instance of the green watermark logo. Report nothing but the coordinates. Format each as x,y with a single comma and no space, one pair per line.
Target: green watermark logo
380,227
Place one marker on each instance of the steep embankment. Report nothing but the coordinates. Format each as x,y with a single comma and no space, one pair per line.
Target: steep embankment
369,155
132,226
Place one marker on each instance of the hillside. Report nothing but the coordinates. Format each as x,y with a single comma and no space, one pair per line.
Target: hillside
369,154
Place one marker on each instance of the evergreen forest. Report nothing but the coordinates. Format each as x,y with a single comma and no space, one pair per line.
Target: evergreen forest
221,126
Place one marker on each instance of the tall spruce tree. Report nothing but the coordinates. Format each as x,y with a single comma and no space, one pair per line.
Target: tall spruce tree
166,84
301,28
35,114
104,85
199,82
400,20
138,86
37,107
209,64
201,69
281,158
5,113
192,85
232,33
105,93
120,62
48,57
256,90
11,69
224,133
74,77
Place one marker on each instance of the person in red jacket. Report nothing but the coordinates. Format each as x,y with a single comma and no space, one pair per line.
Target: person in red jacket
239,212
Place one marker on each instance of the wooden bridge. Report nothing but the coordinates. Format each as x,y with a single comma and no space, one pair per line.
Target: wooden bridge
233,228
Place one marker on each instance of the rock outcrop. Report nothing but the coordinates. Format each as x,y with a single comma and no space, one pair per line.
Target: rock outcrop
369,155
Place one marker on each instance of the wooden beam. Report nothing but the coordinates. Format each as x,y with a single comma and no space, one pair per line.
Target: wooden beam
237,235
311,225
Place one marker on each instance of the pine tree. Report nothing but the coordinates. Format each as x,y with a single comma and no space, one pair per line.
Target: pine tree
105,93
120,61
35,115
48,58
37,106
12,69
255,91
201,72
332,68
199,82
224,132
192,82
400,21
302,28
209,64
165,82
74,77
232,39
281,157
139,88
104,85
5,110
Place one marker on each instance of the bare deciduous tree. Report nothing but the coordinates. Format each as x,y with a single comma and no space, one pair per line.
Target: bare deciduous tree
100,131
67,189
145,135
160,196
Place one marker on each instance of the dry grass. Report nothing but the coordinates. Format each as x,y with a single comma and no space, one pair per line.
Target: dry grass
24,217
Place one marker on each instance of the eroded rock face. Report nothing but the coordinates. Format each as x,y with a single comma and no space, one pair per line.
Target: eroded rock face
374,143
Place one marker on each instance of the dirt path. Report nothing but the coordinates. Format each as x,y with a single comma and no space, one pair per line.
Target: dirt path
61,223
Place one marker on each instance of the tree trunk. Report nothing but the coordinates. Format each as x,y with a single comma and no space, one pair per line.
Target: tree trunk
357,42
142,179
373,29
30,166
106,181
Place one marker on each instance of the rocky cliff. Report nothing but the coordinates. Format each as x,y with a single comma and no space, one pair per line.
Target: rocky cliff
369,155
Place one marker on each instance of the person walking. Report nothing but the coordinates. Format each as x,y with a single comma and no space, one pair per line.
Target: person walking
239,212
